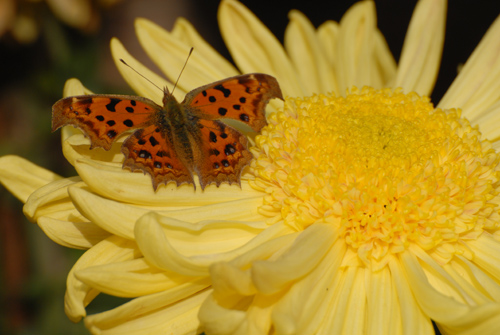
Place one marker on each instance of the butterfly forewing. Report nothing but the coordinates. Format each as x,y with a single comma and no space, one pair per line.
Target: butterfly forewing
103,118
241,98
151,150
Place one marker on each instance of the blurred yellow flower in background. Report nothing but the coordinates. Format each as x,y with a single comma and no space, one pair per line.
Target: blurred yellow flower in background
366,210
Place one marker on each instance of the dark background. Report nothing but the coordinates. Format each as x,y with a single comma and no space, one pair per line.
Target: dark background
33,269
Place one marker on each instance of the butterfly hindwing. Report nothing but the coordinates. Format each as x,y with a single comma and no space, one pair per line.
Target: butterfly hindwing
223,153
103,118
241,98
151,150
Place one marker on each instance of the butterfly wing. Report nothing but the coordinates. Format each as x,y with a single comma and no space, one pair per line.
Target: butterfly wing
103,118
222,153
151,150
241,98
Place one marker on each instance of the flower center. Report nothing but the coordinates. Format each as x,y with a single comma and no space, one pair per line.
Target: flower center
387,169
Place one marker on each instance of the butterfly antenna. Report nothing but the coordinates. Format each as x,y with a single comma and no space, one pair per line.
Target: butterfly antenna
185,63
140,74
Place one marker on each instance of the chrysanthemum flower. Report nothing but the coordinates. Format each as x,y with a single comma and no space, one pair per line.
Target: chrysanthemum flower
365,210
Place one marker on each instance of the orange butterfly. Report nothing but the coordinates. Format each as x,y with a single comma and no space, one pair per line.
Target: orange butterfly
174,141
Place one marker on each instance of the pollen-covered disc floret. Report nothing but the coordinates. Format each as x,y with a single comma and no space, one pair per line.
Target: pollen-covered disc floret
386,168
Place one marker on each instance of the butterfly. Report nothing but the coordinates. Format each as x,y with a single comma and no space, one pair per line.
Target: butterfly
173,142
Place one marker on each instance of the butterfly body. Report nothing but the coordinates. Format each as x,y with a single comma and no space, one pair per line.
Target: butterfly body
174,141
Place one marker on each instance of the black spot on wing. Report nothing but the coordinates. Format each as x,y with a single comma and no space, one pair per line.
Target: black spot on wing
212,98
128,123
145,154
229,150
111,123
111,106
100,118
244,117
153,141
225,91
111,134
213,137
129,109
222,111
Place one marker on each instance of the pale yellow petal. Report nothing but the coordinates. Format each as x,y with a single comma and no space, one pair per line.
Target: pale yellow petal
21,177
477,86
72,234
77,146
303,47
488,122
307,250
303,308
170,54
339,316
74,86
152,87
356,309
477,277
422,49
384,71
50,198
487,253
327,37
120,218
122,185
182,247
164,312
382,303
412,316
131,278
79,295
355,46
184,31
459,318
254,48
216,319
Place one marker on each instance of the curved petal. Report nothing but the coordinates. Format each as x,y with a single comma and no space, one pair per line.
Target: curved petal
303,47
50,198
488,122
122,185
459,318
355,47
327,38
307,250
71,234
21,177
184,31
477,86
164,312
120,218
78,295
152,87
131,278
170,54
170,246
254,48
385,64
423,47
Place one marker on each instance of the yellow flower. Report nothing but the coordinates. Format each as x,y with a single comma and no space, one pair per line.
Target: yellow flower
364,211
